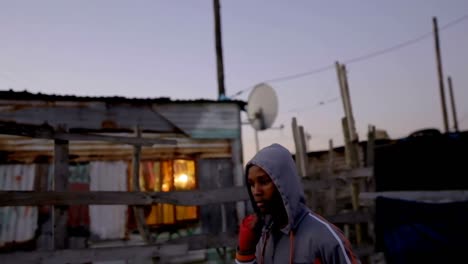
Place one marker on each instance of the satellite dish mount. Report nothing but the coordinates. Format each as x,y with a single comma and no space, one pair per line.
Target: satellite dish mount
262,109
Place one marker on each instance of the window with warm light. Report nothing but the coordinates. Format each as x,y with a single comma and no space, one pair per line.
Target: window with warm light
166,176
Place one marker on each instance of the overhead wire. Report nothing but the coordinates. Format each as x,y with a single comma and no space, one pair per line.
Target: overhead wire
464,118
314,106
358,58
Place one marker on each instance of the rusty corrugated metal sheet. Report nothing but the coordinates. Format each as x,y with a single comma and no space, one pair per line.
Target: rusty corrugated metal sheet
204,121
27,150
17,223
197,118
108,221
85,115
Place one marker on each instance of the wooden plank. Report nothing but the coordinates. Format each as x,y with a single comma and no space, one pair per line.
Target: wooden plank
138,211
316,185
349,218
367,198
115,139
188,198
95,254
61,173
47,133
364,251
173,247
26,150
341,179
363,172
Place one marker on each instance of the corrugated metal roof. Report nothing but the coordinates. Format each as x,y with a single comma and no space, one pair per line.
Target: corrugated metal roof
203,119
25,95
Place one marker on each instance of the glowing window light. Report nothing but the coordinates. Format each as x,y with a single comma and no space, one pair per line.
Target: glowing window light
183,179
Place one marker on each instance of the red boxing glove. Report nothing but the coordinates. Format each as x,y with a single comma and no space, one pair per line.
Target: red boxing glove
249,234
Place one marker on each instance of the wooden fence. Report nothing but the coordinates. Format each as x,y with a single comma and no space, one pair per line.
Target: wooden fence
59,198
160,250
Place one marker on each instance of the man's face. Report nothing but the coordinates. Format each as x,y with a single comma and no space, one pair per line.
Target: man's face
263,190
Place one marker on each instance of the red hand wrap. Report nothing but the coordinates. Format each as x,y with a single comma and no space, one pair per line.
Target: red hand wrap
249,234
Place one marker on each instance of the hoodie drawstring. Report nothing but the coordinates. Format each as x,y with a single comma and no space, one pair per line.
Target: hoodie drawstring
265,240
291,247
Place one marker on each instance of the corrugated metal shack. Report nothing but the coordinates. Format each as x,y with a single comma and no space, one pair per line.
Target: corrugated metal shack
205,153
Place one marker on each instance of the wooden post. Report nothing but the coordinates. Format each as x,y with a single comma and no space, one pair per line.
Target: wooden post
347,145
238,169
371,135
219,48
454,108
370,146
354,186
45,240
331,156
353,140
305,160
299,149
440,73
370,186
222,251
347,97
296,143
138,210
61,172
331,203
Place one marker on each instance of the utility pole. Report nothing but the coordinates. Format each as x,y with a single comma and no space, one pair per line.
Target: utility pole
351,139
346,99
219,49
454,108
440,73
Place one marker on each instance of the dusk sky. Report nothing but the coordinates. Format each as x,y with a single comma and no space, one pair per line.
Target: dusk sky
150,49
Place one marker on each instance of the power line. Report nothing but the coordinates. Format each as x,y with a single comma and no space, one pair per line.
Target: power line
317,105
359,58
8,78
464,118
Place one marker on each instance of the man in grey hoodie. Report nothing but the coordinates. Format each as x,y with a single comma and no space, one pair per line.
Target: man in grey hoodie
283,230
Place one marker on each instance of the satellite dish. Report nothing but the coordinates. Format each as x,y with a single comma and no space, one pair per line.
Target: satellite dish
262,107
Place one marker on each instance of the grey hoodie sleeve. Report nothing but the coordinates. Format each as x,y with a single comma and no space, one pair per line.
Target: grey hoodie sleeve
339,254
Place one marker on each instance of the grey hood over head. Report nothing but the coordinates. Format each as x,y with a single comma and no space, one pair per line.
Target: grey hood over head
308,238
278,163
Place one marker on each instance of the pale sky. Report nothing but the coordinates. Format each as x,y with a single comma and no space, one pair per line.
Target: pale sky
166,49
